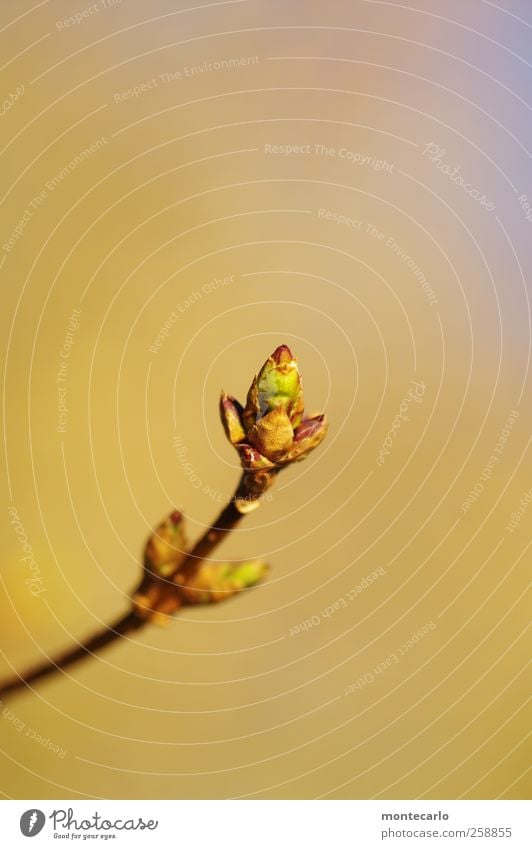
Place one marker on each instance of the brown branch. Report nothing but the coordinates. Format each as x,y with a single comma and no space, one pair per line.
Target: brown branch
122,626
134,619
226,521
269,433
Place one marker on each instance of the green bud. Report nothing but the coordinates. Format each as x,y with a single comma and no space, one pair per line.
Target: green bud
166,546
215,582
270,431
278,384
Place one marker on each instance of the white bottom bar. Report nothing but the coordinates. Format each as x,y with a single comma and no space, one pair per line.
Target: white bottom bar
267,824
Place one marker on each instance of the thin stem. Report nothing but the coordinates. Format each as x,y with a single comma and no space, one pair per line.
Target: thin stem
127,623
132,621
222,525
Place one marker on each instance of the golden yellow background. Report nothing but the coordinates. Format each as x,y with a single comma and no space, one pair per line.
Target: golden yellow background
182,191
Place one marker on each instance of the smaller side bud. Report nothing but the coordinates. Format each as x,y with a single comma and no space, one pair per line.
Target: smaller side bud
231,414
216,582
166,546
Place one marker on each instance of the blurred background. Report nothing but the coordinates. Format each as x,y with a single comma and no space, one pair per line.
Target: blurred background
184,188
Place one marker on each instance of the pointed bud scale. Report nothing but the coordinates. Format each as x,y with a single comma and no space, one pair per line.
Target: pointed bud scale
252,459
166,546
282,355
215,582
273,434
251,410
307,436
231,414
310,427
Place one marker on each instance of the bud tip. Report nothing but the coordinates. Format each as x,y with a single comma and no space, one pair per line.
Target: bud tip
282,355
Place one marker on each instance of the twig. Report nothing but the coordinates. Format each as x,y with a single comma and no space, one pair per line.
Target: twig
133,620
122,626
247,493
269,433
